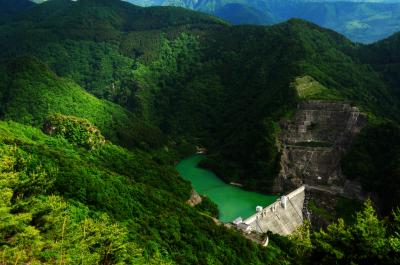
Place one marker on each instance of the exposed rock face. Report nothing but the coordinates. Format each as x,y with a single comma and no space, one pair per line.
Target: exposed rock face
313,142
195,199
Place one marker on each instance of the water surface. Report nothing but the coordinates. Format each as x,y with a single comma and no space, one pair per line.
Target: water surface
232,201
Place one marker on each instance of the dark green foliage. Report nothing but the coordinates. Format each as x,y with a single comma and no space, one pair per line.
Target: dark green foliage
46,229
30,93
106,201
384,57
208,207
374,160
200,81
75,130
187,79
367,241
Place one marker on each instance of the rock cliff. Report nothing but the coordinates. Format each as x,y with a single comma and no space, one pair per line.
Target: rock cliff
313,142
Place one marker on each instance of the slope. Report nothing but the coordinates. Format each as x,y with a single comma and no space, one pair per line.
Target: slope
81,39
384,56
241,87
199,80
111,205
30,92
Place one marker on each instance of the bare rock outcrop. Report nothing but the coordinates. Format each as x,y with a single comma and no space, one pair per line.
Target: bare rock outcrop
314,141
195,199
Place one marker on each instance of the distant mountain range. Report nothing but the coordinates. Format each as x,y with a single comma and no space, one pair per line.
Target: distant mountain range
361,21
364,21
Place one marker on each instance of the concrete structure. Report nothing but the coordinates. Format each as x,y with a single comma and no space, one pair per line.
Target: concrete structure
282,217
238,221
245,228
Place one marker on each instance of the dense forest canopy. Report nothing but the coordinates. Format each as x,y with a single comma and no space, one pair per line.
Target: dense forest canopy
100,98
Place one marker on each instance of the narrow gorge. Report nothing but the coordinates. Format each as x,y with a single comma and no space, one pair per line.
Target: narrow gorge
313,142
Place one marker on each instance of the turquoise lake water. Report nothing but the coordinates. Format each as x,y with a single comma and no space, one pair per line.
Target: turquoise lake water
232,201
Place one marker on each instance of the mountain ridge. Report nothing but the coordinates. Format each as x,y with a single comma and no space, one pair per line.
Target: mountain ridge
360,21
162,81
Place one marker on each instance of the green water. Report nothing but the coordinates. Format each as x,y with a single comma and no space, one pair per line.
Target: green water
232,201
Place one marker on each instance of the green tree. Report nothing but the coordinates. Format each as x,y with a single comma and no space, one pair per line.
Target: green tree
367,241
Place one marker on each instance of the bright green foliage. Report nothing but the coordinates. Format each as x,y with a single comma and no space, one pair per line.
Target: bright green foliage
308,88
30,93
61,202
367,240
301,240
187,79
191,76
39,229
75,130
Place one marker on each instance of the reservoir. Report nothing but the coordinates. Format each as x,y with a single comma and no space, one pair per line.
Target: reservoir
232,201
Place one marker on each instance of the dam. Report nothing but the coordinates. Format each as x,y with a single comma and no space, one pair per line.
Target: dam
312,144
282,217
248,211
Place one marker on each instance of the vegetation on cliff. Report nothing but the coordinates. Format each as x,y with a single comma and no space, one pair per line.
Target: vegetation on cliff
374,161
184,77
159,81
63,203
368,240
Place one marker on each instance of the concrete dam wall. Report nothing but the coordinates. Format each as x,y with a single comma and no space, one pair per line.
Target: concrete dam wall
282,217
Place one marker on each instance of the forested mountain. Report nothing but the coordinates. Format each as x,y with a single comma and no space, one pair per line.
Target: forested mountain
168,68
10,8
361,21
159,81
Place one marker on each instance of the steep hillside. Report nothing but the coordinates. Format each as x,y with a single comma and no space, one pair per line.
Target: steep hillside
87,34
199,80
178,79
384,56
62,203
310,51
30,93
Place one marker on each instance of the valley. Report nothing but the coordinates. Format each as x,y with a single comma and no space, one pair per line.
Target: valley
101,99
232,201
